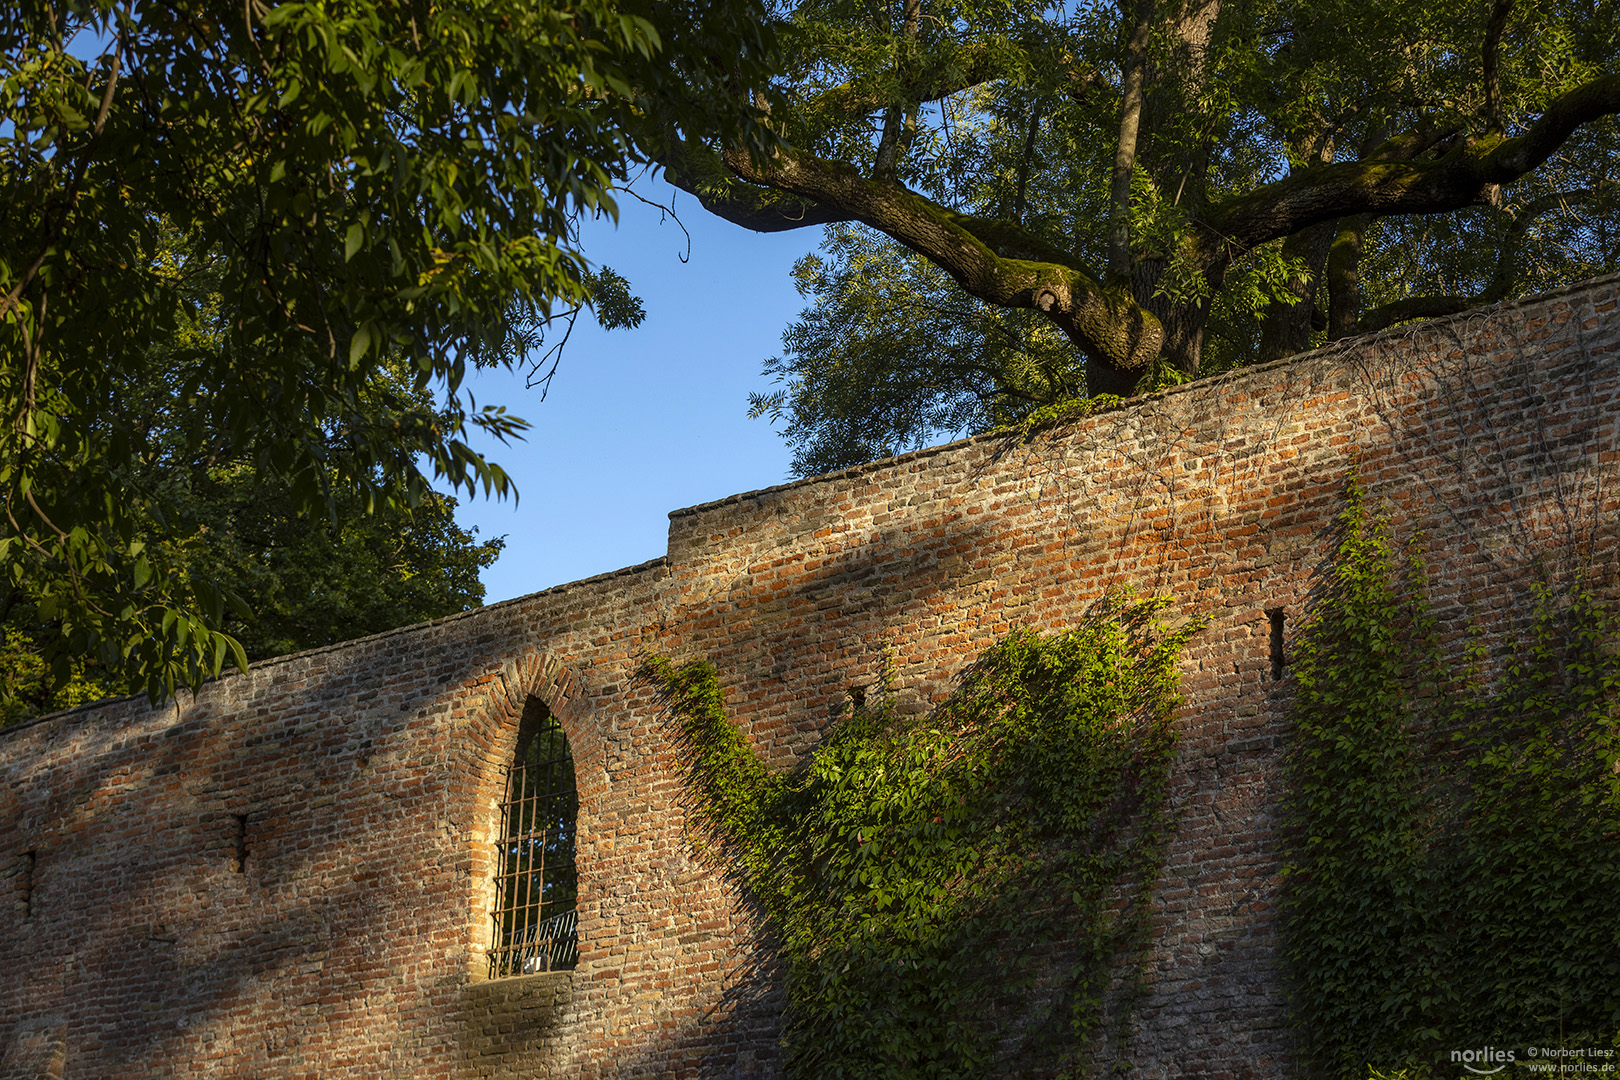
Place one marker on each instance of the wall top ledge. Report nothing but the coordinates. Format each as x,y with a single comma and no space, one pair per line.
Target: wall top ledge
1327,353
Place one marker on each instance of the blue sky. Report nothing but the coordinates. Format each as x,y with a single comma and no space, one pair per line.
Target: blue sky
641,422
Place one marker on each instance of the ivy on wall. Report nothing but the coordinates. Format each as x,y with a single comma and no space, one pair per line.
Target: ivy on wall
1453,841
962,893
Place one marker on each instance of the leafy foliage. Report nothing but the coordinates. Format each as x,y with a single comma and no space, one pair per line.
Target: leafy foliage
314,583
1452,868
311,583
889,357
27,685
954,892
351,184
219,524
311,580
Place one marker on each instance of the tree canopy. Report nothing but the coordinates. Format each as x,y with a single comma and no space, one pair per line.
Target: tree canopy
312,582
238,529
247,210
1169,186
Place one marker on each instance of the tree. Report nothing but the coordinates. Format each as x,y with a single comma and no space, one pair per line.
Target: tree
355,183
312,583
239,530
1176,185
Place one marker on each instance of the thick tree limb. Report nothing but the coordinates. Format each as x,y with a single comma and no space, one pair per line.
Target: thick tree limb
761,210
1130,122
1343,270
1344,276
1462,177
1285,328
1491,65
699,172
997,261
1514,157
1415,307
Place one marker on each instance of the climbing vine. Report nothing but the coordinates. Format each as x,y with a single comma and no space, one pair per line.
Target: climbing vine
1453,876
962,893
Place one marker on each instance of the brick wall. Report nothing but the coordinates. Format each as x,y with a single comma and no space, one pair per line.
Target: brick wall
289,876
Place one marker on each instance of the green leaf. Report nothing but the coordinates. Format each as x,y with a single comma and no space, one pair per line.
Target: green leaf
359,345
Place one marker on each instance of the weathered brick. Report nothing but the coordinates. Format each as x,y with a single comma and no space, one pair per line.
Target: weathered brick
350,945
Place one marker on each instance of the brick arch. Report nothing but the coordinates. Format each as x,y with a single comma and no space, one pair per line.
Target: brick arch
492,707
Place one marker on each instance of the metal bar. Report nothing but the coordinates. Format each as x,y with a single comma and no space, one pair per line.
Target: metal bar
535,926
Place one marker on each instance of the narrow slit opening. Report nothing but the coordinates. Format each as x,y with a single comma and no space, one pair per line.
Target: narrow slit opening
1278,660
239,852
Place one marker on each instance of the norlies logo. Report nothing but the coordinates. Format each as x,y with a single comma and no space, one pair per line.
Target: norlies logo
1484,1056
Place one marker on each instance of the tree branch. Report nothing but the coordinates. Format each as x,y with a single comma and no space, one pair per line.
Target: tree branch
943,72
893,140
700,173
1130,121
1500,9
1344,276
1025,161
996,261
1464,176
1285,327
1501,284
1415,307
1506,263
1514,157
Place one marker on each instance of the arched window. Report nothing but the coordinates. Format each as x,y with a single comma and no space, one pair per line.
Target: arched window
536,887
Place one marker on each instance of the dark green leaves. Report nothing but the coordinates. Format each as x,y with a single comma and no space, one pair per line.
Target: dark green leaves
1452,867
1190,218
946,886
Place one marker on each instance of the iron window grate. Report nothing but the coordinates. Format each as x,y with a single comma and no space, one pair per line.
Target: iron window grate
536,887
